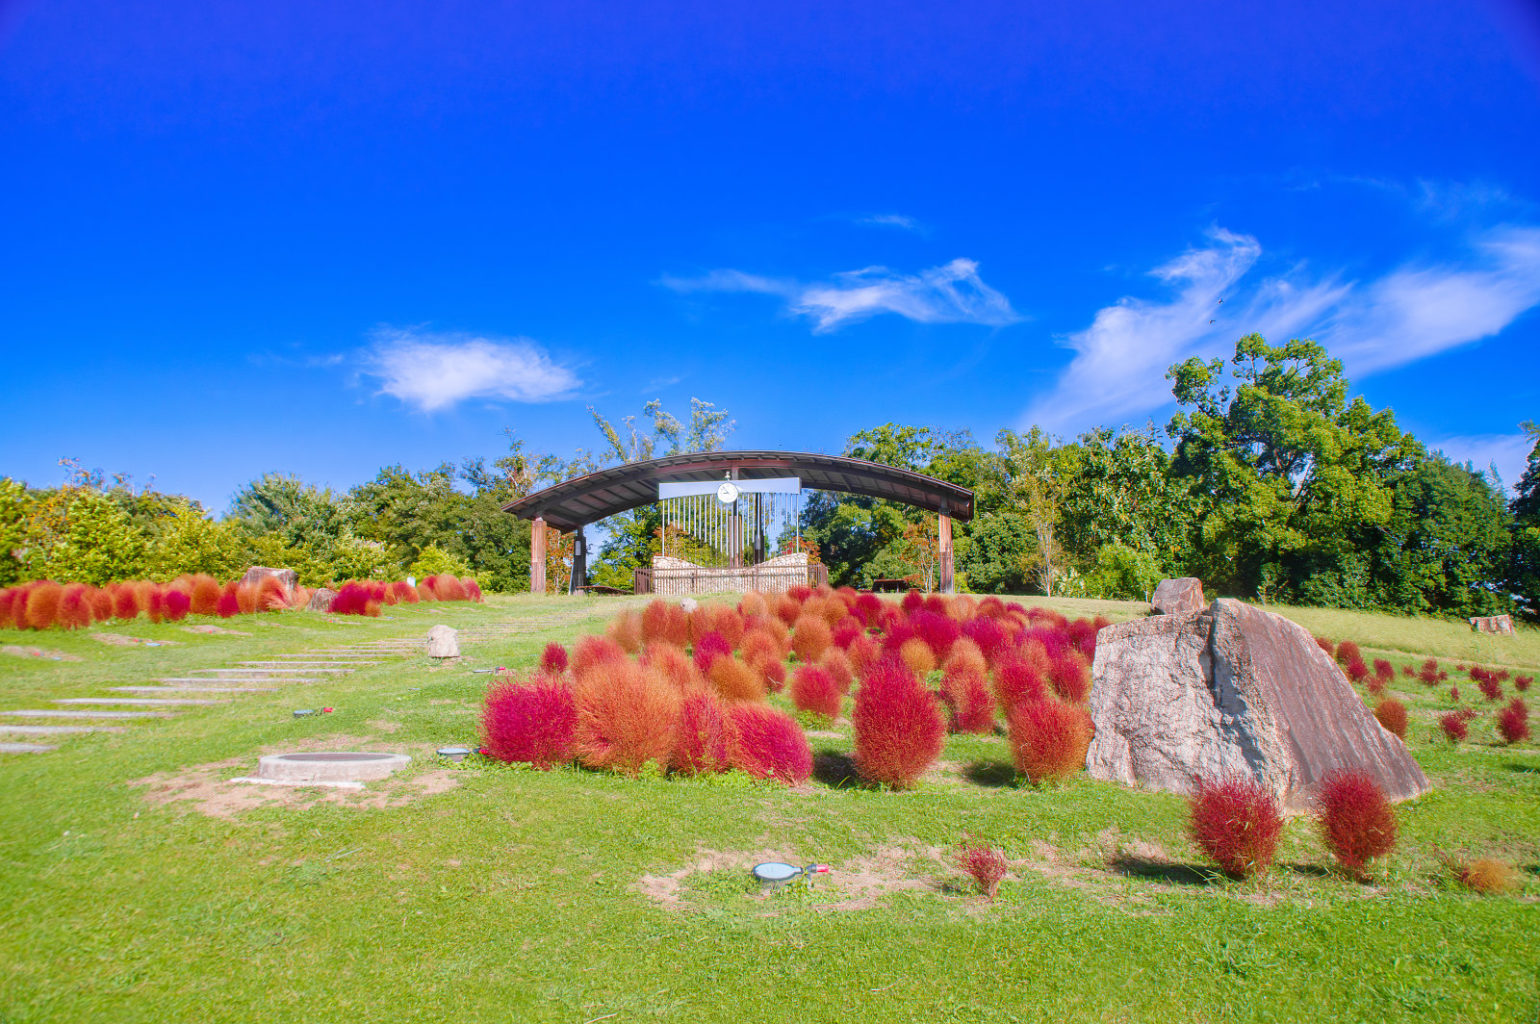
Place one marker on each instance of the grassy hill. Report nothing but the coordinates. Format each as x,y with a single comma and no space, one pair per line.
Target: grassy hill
138,884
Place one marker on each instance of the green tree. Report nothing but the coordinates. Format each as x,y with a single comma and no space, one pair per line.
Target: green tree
1446,543
1000,554
1523,576
100,543
1291,480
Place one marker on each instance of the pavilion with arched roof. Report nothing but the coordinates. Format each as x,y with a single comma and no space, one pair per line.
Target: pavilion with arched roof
728,492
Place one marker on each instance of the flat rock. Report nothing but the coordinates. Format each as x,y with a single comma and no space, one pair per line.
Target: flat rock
1233,690
1502,624
54,730
443,642
25,748
1181,596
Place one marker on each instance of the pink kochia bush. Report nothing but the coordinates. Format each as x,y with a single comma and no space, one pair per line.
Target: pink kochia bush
899,730
1356,820
532,721
1236,822
768,744
813,689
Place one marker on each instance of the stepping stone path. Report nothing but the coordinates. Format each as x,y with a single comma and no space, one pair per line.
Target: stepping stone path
312,666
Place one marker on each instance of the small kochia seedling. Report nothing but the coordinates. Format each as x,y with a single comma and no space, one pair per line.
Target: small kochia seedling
985,865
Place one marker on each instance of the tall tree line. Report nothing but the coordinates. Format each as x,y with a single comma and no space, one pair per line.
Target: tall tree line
1269,483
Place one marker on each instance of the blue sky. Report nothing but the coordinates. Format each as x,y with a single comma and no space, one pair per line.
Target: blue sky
320,239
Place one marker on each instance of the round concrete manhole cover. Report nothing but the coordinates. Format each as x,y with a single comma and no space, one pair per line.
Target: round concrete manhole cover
327,768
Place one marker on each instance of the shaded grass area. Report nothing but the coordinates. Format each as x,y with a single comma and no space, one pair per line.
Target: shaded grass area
515,894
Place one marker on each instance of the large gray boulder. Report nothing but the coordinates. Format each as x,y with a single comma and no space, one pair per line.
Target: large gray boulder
1233,690
1492,624
321,600
288,577
1182,596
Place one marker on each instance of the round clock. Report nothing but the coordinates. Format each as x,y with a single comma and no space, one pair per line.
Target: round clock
727,493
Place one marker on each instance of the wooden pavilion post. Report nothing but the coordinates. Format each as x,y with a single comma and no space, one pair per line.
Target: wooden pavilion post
944,532
537,556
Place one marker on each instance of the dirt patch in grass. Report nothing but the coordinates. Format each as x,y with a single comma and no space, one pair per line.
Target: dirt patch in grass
209,789
41,653
857,884
215,630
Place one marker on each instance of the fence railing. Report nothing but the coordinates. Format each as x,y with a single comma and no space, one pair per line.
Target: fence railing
767,579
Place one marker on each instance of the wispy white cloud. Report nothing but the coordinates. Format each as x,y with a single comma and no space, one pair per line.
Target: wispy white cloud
1416,312
952,293
1409,314
890,220
1509,453
434,370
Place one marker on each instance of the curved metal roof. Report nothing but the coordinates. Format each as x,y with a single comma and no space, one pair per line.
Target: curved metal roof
586,499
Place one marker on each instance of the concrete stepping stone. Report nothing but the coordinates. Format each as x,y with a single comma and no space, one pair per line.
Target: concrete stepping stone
146,701
54,730
242,679
25,748
193,689
61,713
270,671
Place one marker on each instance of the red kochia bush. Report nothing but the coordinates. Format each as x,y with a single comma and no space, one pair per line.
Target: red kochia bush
352,599
591,651
1429,672
1356,820
625,719
1513,722
1237,822
967,696
204,593
75,606
43,601
553,659
1383,669
899,730
1017,679
1357,671
1347,653
1391,713
704,740
228,605
1327,646
814,689
1522,683
533,721
1454,726
768,744
1048,738
174,605
1070,676
708,649
811,636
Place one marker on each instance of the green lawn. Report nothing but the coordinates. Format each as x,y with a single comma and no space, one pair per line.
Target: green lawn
481,893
